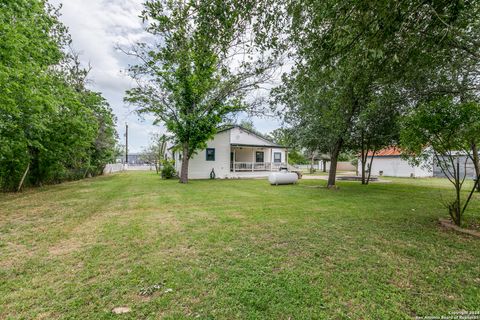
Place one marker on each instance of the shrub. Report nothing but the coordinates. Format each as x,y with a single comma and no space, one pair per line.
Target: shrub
168,170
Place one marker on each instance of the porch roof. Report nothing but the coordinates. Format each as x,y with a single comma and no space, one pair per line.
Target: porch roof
257,145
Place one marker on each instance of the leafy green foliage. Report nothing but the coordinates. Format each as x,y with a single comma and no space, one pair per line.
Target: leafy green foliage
51,127
186,79
168,169
376,127
155,153
352,57
283,136
439,131
296,157
289,138
440,124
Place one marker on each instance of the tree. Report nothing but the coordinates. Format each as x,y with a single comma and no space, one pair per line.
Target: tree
26,53
194,77
376,128
155,153
322,104
248,124
344,52
440,131
329,84
296,157
104,148
287,137
282,136
454,75
51,127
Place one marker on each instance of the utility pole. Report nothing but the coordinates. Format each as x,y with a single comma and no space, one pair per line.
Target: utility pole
126,142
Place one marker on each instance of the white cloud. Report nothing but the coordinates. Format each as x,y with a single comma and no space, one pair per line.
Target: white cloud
97,27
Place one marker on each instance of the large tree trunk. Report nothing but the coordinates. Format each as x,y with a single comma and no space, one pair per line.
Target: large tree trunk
332,174
364,165
454,206
184,170
363,159
370,167
475,162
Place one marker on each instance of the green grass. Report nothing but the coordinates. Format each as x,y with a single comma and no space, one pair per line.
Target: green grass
234,249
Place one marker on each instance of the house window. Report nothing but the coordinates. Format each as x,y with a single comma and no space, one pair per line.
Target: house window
277,157
210,154
259,156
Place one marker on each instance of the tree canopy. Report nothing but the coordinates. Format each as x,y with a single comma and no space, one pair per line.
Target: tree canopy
440,132
186,80
51,127
350,55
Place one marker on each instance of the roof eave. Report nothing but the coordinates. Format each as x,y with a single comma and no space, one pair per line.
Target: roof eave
257,145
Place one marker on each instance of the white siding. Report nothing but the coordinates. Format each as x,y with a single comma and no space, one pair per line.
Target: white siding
248,154
178,161
244,154
281,151
239,136
396,167
200,168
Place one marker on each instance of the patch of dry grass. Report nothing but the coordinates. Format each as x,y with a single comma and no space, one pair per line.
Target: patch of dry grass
233,250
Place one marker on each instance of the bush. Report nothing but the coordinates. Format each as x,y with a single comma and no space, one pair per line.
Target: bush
168,170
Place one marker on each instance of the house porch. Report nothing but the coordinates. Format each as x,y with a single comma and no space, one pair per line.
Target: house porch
257,158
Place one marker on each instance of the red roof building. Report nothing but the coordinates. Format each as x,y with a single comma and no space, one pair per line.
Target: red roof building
387,152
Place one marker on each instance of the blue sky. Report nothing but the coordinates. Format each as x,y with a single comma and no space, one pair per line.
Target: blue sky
97,27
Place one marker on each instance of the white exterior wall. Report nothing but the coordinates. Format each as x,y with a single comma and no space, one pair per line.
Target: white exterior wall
395,166
248,154
268,155
200,168
239,136
282,151
244,154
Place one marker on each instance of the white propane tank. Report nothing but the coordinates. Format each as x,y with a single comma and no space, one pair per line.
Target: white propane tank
276,178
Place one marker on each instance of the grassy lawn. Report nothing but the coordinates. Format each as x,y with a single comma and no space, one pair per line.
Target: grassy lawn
306,172
233,250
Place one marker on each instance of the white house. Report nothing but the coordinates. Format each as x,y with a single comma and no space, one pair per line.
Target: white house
235,152
387,162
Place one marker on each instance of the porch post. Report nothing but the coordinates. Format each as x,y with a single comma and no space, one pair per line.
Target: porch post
234,155
271,159
253,159
286,157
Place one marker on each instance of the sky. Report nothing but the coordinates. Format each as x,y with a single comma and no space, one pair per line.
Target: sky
97,28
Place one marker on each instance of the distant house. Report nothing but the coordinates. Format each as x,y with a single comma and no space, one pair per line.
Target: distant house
466,166
388,162
235,152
